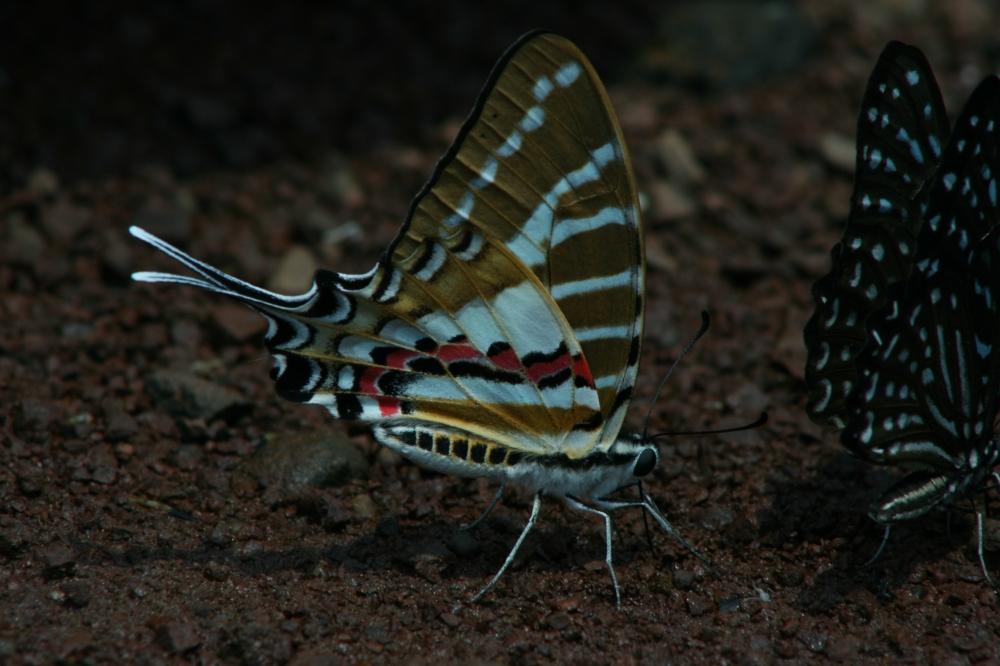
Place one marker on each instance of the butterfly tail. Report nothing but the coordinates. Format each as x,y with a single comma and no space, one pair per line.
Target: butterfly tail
216,281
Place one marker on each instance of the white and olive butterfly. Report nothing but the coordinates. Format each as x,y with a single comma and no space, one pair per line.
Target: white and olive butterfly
498,336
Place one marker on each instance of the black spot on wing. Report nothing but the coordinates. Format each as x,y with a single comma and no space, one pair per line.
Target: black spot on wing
497,347
427,251
463,244
478,453
621,399
425,440
299,372
331,302
393,382
480,371
544,357
285,332
555,379
426,345
633,351
385,280
591,423
427,365
348,406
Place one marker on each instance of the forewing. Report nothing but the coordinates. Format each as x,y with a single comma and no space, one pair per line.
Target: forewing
383,346
901,130
541,169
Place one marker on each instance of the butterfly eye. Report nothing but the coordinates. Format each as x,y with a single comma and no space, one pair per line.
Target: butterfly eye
644,462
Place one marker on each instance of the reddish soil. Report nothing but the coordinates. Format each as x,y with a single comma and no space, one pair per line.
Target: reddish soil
147,516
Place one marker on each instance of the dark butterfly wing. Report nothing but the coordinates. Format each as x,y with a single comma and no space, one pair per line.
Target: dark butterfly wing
901,130
927,395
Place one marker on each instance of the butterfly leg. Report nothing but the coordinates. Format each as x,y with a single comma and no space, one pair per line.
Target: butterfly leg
513,551
881,547
496,500
580,506
981,530
648,505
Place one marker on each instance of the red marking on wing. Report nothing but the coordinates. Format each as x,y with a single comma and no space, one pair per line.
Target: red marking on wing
582,369
507,359
545,368
399,358
388,406
366,383
449,353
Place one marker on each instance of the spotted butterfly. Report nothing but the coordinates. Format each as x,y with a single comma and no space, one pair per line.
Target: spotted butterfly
499,334
902,129
929,375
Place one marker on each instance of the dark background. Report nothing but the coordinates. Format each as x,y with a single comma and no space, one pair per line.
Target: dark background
159,504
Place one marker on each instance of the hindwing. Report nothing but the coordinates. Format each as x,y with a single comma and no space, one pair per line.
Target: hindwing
509,305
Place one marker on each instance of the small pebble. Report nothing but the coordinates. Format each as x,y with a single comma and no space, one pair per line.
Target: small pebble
463,544
558,621
697,606
450,619
683,579
77,594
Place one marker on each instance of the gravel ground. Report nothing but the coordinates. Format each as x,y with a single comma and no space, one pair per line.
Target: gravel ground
159,504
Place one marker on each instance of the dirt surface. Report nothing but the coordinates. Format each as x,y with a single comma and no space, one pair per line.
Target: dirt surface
159,504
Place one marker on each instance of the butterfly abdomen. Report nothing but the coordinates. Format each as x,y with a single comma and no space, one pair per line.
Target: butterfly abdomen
449,451
456,452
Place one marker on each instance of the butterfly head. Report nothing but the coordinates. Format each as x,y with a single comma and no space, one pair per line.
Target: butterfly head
641,452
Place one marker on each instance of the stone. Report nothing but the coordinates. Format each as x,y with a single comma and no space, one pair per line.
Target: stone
289,464
185,395
59,560
295,270
669,202
176,636
838,151
238,322
678,159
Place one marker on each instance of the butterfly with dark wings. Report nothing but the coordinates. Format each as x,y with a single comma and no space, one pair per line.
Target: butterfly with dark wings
498,336
916,279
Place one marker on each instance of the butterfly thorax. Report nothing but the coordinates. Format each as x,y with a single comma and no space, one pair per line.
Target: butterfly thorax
451,451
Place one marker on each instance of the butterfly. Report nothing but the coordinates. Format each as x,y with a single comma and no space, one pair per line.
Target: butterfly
902,129
928,377
498,335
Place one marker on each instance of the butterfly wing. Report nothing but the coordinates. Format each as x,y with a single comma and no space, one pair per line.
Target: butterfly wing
901,130
459,325
930,378
541,169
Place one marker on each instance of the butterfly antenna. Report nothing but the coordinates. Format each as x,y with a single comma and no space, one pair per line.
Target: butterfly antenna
761,420
705,322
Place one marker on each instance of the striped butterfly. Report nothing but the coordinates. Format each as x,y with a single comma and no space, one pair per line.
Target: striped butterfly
929,376
901,130
498,335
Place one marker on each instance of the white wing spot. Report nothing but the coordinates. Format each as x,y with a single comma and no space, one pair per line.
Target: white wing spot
568,73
